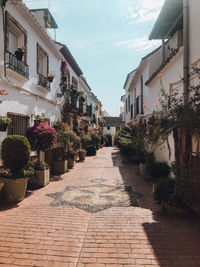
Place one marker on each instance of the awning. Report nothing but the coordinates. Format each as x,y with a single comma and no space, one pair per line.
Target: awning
169,20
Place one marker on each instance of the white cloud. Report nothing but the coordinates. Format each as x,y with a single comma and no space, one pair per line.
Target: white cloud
148,10
139,45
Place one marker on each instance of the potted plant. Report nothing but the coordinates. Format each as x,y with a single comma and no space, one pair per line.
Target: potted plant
42,174
41,137
15,153
71,159
51,76
38,118
19,54
60,164
82,154
4,122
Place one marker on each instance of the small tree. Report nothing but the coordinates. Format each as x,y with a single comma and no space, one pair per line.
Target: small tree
41,136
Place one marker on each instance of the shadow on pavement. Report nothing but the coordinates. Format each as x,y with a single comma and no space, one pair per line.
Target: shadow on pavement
175,239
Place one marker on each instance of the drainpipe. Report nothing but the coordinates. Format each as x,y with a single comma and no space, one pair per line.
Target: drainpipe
3,4
186,50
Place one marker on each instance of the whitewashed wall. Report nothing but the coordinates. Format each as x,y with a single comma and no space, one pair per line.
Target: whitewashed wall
111,131
25,97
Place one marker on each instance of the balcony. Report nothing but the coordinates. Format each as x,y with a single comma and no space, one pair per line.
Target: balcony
17,65
43,81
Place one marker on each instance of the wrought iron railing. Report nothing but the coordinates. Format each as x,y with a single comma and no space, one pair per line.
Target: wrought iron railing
17,65
43,81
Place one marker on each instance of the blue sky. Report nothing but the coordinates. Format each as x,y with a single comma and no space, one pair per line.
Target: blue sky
107,38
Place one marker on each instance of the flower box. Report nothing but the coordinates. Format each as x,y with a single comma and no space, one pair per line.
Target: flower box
71,163
42,177
60,167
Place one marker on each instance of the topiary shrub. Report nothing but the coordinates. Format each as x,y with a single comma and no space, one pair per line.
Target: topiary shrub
91,151
15,153
156,170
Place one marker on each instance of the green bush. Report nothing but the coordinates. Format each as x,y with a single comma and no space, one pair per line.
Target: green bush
157,170
186,190
40,166
15,153
91,151
86,140
95,139
149,157
162,190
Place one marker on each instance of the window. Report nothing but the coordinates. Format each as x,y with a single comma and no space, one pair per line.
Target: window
129,103
108,127
16,36
42,67
42,62
19,124
16,46
126,106
74,81
131,111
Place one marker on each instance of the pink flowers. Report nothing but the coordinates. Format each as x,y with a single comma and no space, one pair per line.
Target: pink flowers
41,136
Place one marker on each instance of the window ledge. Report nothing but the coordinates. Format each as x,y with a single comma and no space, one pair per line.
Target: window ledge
14,74
43,89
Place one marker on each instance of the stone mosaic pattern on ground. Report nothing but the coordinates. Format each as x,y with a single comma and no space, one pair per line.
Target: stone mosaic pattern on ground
95,198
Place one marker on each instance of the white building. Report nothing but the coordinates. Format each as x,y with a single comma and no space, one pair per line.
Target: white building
26,79
111,127
144,84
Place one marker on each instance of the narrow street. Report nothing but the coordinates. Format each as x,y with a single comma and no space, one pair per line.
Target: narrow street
99,214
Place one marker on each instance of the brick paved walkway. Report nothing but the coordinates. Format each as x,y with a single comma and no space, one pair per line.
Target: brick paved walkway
35,233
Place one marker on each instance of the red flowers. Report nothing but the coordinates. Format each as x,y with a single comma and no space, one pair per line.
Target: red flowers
3,92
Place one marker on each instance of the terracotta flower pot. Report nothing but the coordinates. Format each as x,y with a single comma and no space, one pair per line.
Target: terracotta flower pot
15,189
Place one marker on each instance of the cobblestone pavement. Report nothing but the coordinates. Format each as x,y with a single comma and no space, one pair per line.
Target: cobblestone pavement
37,233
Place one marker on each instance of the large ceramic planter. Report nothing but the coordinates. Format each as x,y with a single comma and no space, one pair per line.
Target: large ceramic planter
82,155
15,189
42,177
60,166
71,163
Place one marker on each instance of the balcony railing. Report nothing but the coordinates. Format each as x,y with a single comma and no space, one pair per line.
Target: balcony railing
43,81
17,65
